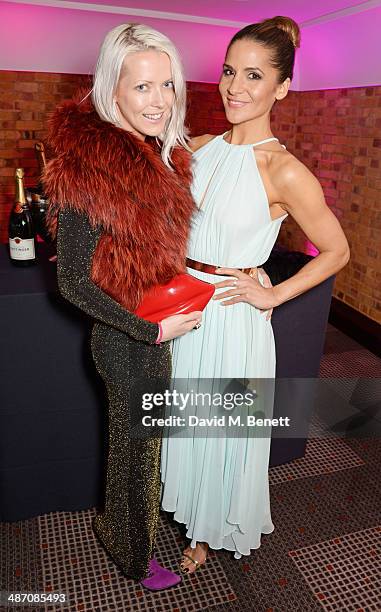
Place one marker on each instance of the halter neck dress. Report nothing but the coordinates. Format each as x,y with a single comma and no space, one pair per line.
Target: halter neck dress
218,486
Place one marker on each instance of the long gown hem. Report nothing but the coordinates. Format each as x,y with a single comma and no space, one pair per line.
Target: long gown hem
195,536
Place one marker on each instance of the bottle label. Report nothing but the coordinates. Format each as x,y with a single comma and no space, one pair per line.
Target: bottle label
21,249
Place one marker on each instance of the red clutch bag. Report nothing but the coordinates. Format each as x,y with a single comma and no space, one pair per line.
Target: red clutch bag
182,295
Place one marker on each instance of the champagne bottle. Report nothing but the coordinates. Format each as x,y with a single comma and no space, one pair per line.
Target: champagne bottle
39,200
20,231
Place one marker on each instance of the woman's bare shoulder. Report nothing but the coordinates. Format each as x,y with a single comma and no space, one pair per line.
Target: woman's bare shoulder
287,168
199,141
294,183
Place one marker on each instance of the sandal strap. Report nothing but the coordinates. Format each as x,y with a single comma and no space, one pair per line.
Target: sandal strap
197,563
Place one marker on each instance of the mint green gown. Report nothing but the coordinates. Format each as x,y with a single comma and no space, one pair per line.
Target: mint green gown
218,486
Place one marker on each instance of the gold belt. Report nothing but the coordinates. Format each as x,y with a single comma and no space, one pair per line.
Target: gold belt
209,269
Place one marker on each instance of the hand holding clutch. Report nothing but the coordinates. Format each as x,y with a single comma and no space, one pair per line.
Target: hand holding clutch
178,325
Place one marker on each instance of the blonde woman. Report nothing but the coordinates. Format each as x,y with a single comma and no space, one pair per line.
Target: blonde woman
119,188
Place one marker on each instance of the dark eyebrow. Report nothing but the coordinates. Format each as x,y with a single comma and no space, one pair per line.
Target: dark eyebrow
246,69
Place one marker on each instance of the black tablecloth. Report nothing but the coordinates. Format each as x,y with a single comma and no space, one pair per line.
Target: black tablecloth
53,413
52,408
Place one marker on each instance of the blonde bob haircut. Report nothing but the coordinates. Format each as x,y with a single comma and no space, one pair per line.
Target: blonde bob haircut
124,40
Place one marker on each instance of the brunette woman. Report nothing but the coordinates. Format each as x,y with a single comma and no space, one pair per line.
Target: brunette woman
245,184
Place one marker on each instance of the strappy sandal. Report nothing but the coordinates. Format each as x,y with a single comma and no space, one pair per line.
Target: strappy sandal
194,561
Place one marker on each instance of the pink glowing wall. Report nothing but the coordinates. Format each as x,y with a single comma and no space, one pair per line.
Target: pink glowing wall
63,40
340,53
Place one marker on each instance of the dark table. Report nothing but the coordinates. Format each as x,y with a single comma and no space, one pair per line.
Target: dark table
51,401
53,419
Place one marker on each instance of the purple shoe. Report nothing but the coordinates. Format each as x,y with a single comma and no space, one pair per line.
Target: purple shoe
159,578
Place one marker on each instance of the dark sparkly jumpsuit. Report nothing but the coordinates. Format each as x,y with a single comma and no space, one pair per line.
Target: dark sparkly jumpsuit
124,349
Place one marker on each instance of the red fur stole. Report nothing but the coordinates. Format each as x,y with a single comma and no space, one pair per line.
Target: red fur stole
122,184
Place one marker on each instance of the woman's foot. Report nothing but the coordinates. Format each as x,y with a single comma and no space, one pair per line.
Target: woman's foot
193,558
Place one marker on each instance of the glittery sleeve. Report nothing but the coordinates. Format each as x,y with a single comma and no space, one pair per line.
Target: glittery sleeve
76,243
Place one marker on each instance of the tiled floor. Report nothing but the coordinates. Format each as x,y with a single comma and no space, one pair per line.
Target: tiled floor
324,555
342,571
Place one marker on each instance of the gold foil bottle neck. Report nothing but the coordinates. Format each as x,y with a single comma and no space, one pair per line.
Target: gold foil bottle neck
20,191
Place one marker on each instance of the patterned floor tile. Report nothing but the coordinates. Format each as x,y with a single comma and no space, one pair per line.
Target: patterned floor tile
350,364
349,407
305,511
325,507
343,573
267,582
336,341
20,558
344,387
92,581
323,456
318,428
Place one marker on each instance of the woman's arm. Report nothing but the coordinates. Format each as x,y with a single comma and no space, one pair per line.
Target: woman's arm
76,243
298,192
301,195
